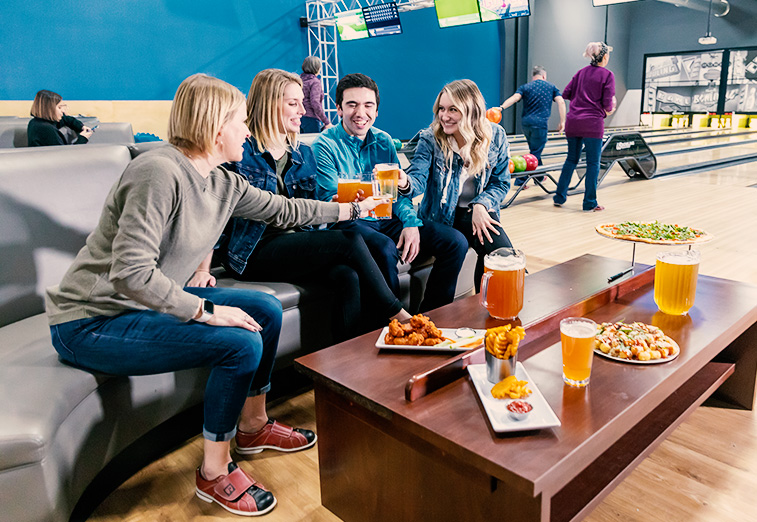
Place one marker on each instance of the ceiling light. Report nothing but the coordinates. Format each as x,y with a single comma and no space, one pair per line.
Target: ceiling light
708,39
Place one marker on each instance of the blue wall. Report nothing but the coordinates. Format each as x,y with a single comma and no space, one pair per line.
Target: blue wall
411,68
143,49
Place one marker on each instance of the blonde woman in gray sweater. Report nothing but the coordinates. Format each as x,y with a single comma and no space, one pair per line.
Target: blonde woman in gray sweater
123,309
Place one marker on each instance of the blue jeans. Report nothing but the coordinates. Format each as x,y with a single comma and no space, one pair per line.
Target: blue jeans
593,148
149,342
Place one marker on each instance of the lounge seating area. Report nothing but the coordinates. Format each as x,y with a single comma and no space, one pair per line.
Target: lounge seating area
13,132
60,426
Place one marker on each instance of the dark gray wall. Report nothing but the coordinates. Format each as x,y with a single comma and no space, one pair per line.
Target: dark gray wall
658,27
559,32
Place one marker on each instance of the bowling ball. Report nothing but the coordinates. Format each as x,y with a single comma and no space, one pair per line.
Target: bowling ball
531,162
511,166
397,144
520,163
494,114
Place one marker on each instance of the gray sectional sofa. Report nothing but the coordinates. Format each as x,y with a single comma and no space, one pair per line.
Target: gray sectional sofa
60,426
13,132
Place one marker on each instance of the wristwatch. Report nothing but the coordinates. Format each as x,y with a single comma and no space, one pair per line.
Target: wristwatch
207,311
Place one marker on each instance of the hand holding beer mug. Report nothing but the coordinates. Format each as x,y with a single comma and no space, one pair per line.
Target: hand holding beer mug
675,281
577,339
502,283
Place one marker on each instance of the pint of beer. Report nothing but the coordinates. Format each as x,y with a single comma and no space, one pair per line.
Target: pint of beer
347,188
502,283
577,339
388,176
372,185
675,281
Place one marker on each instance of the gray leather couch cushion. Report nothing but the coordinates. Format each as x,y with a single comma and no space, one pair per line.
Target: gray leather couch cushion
44,223
113,132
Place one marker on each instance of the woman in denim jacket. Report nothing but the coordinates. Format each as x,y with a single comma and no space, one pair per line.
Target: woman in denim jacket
460,166
273,160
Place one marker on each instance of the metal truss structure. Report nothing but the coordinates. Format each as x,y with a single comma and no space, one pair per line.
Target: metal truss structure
323,38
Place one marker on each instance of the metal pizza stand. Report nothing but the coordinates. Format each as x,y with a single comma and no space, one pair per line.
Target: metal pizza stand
707,237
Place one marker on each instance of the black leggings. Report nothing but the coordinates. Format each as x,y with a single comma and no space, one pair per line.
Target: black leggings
340,258
464,223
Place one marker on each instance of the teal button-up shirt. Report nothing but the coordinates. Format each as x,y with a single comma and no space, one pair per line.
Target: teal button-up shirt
336,151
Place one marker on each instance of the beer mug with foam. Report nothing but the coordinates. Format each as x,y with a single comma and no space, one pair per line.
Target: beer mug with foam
502,283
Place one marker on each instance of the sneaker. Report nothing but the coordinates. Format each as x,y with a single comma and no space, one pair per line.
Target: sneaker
598,208
557,204
276,436
236,492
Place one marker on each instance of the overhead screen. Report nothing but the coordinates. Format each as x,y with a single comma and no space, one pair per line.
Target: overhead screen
460,12
351,25
382,19
375,20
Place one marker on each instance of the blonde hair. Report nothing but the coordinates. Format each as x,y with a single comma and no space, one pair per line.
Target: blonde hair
264,109
474,127
201,106
44,105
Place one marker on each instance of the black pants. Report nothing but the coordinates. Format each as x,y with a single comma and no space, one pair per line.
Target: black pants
464,224
442,242
339,258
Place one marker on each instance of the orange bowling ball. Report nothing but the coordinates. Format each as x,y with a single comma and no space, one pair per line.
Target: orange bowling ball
494,114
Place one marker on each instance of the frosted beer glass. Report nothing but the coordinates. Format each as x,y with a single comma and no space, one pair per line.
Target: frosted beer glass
577,340
675,281
502,283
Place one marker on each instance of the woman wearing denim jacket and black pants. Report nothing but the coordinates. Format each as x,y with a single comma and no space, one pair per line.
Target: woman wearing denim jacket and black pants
252,251
461,166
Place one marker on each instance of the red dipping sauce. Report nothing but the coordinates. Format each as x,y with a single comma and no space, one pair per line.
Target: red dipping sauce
520,407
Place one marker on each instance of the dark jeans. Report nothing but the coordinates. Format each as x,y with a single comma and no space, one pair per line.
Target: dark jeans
537,139
310,125
338,257
593,147
148,342
439,241
464,224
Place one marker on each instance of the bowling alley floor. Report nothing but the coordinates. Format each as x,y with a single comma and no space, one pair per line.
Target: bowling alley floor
705,471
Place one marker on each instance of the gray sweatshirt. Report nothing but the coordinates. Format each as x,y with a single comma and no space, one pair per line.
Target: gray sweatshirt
159,222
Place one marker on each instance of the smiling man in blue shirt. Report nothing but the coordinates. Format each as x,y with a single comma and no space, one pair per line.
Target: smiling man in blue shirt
354,147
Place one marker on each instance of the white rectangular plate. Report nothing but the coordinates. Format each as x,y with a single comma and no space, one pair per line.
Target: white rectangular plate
540,417
448,333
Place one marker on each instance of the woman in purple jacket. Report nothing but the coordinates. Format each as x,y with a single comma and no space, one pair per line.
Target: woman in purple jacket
313,91
592,98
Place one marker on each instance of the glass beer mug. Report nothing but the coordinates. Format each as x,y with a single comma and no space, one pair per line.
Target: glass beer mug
502,283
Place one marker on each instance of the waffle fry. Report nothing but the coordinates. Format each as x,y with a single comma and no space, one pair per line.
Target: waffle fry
511,388
502,342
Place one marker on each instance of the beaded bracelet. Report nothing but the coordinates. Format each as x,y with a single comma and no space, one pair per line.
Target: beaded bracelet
355,211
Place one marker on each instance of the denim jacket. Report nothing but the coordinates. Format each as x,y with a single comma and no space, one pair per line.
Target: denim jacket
241,235
429,175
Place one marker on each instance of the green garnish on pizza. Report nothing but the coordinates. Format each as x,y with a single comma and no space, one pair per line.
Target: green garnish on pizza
655,233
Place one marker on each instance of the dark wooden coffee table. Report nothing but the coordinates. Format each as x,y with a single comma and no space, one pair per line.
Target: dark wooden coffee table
385,458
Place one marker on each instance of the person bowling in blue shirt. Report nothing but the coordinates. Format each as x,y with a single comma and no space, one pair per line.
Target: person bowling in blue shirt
537,96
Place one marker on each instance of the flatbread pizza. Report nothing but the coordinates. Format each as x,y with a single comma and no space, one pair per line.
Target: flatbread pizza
635,342
655,233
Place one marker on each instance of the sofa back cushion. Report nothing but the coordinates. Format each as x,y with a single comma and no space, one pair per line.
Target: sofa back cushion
50,200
